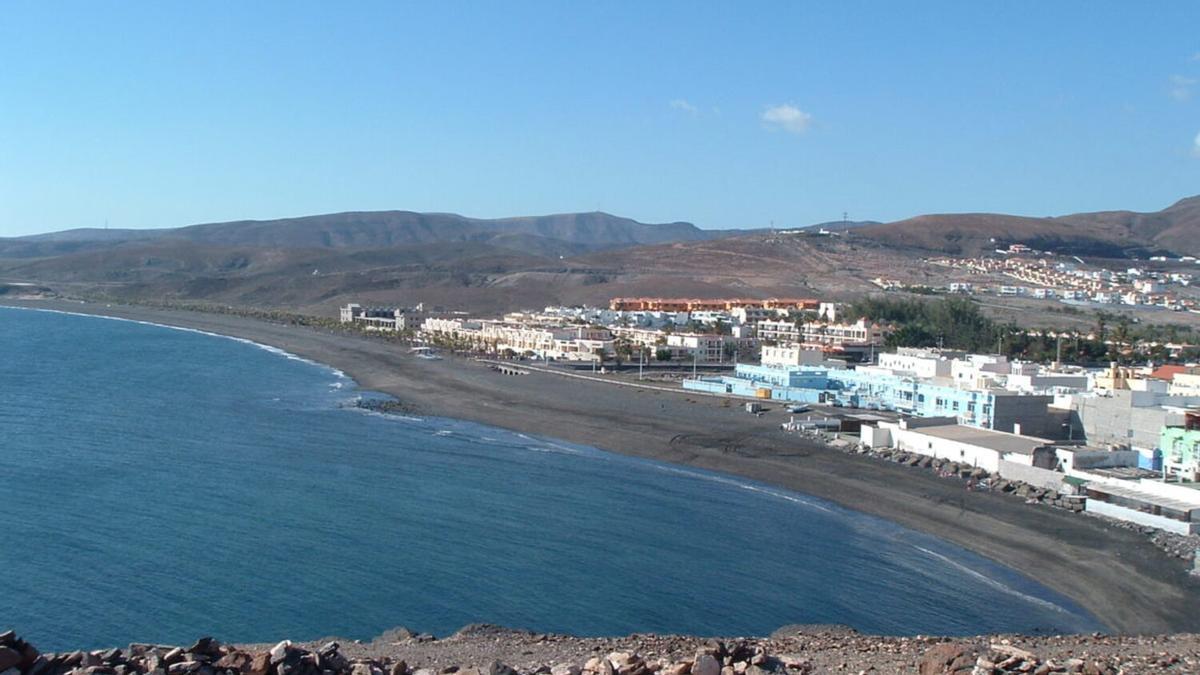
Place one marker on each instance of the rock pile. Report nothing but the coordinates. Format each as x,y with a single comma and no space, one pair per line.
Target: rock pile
1001,659
714,658
792,651
205,657
209,657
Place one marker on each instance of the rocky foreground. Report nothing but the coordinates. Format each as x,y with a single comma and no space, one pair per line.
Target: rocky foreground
488,650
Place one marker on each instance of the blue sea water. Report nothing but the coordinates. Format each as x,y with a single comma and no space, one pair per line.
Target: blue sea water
159,484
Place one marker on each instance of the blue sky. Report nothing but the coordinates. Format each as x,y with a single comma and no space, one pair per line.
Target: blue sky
162,114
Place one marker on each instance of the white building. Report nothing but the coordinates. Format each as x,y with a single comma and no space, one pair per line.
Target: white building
943,438
783,332
1171,507
978,370
922,363
699,347
796,355
830,334
383,318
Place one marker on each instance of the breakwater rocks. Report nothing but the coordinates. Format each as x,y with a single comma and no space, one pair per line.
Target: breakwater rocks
489,650
1183,547
387,406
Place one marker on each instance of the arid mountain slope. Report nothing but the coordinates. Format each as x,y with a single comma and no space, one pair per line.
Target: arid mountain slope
1110,234
560,234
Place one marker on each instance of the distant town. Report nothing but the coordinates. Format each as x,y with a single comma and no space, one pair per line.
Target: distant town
1121,441
1020,271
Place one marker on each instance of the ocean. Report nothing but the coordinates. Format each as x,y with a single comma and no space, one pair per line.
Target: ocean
160,484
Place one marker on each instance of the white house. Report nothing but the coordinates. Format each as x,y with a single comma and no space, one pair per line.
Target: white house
944,439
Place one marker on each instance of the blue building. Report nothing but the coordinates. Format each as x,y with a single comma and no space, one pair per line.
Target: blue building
880,389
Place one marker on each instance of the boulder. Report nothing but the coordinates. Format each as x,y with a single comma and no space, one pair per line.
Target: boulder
569,669
260,664
401,668
206,646
29,655
792,661
9,658
239,661
946,659
706,664
279,651
497,668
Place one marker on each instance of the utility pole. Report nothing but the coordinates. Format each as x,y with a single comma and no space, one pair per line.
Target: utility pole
695,361
641,359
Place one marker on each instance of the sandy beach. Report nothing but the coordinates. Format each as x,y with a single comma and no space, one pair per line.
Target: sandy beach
1115,574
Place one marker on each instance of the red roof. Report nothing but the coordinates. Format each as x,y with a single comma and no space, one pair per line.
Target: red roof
1169,372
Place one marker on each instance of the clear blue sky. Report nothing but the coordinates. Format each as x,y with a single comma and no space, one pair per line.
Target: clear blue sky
724,114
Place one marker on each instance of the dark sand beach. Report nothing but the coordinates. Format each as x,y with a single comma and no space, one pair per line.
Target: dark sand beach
1128,584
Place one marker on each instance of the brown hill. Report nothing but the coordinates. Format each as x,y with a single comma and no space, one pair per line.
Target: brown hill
558,234
1108,234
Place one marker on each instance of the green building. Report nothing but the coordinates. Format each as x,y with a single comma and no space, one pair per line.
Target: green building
1181,449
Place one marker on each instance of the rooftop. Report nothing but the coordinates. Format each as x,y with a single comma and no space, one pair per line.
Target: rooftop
999,441
1130,492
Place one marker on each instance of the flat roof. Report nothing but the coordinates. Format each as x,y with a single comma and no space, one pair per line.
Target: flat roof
1143,496
999,441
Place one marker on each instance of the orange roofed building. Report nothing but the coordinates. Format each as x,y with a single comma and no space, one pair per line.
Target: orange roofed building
710,305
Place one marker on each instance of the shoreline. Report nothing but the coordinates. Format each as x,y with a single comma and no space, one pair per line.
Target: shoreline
1115,575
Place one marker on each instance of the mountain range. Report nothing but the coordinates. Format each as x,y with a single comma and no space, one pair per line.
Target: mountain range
390,256
559,234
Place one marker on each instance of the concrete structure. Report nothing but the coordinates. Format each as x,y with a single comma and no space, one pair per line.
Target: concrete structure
572,343
1162,505
383,318
1185,384
698,347
1082,461
718,304
944,439
779,331
797,355
1126,417
880,389
855,338
922,363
